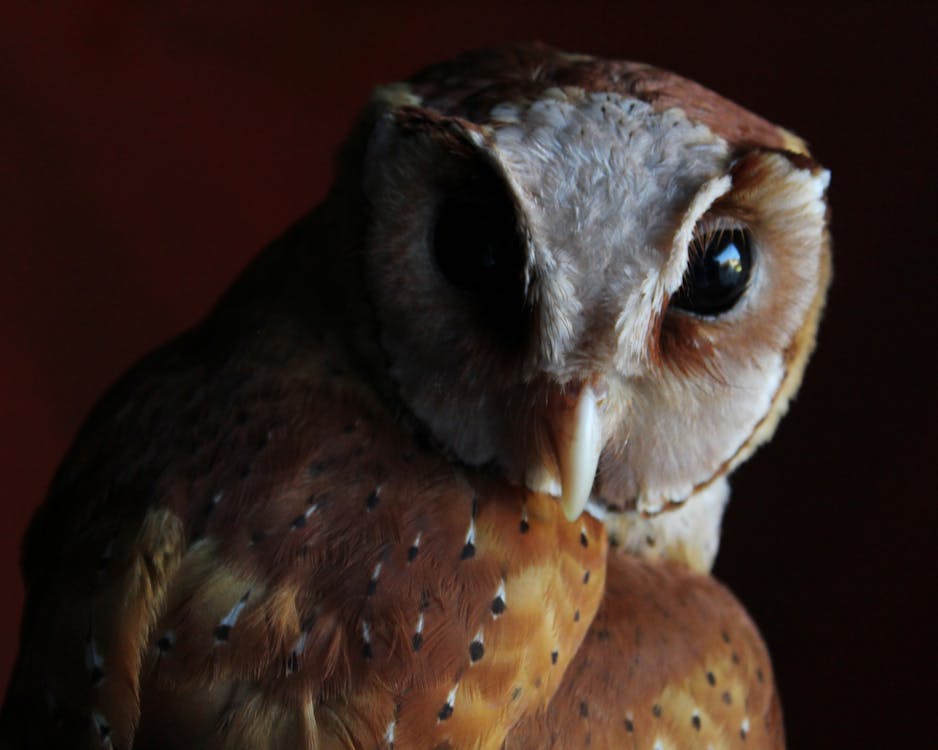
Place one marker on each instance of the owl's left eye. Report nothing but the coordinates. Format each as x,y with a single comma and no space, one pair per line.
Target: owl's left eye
720,266
475,240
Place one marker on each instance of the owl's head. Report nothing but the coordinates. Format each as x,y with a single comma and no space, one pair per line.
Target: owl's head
598,277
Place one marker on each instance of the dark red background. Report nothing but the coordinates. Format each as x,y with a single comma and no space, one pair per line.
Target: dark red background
148,150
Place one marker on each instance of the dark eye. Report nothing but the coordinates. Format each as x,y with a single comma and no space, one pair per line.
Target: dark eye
476,242
720,265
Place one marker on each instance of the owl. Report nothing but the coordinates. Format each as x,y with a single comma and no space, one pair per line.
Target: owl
445,467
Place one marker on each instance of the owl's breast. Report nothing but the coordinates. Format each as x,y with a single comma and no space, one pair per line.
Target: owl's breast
349,584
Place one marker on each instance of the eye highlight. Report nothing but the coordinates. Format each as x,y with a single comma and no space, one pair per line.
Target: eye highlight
718,271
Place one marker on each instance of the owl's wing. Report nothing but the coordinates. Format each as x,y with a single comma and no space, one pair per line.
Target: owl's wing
97,561
246,549
672,660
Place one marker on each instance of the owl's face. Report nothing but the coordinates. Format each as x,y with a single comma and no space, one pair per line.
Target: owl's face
606,288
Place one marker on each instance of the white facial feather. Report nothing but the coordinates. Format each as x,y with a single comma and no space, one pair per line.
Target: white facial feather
604,181
689,427
608,193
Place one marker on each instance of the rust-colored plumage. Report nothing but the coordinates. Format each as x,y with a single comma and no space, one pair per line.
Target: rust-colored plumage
259,539
670,660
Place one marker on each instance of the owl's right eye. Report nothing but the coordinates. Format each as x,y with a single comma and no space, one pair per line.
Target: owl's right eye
719,271
476,242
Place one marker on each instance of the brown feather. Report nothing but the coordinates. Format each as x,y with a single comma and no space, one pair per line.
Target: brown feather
254,543
670,657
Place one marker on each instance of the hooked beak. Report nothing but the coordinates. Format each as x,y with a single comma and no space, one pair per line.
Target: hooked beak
575,430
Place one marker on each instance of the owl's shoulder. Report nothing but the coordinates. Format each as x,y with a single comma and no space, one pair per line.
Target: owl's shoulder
671,660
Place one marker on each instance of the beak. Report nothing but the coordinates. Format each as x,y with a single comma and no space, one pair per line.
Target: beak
575,430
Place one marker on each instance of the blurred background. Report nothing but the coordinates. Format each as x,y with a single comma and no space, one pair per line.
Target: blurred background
148,150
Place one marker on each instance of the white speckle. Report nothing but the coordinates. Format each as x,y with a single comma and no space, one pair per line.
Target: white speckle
659,745
476,649
296,652
449,706
471,534
229,620
310,510
499,602
419,624
744,727
389,734
376,572
366,631
695,719
101,727
216,498
93,659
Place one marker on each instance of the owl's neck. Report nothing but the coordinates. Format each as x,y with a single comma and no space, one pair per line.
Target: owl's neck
689,533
